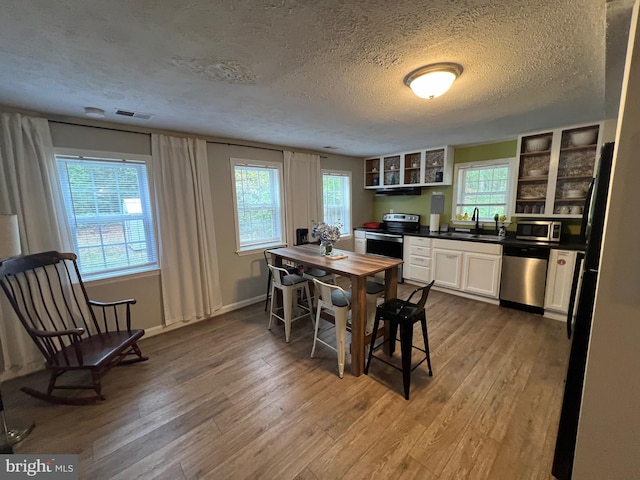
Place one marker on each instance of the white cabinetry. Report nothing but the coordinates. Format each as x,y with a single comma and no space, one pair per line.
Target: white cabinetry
447,266
417,259
360,241
469,267
555,169
482,274
559,280
418,168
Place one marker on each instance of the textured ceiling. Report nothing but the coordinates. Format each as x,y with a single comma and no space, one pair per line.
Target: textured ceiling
311,74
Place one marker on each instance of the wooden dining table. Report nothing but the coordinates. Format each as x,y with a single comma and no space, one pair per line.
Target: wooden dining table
357,267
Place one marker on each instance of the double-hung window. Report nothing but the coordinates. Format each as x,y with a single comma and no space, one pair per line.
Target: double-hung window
109,213
336,199
259,204
485,185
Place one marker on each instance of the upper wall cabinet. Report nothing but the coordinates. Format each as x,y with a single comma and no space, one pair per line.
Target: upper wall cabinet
418,168
555,171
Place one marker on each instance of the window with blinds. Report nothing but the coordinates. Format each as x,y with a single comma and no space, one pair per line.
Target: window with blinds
109,211
258,204
336,199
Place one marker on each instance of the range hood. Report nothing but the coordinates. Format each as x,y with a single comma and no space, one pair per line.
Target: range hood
399,191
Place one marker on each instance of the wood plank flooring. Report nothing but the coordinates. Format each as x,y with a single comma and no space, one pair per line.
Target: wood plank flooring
228,399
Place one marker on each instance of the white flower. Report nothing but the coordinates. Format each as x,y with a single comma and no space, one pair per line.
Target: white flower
325,232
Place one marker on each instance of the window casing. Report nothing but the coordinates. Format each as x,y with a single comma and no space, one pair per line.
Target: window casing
109,212
259,204
486,185
336,199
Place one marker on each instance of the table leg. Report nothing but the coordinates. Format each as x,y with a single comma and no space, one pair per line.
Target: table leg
358,323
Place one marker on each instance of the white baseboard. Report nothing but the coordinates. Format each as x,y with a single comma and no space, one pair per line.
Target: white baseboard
480,298
561,317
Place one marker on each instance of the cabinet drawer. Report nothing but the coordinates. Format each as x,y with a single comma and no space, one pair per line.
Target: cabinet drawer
419,241
422,274
420,250
420,261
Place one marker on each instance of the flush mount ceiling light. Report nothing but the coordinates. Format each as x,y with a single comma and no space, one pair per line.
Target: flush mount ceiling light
433,80
94,112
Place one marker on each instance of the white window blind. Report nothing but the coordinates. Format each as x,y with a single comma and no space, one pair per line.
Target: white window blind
109,211
336,199
259,205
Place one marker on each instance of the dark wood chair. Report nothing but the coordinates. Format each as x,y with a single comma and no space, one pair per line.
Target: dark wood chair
71,331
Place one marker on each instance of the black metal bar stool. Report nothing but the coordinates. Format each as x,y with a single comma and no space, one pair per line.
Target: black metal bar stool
405,314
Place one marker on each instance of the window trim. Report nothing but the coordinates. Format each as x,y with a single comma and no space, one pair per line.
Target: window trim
117,157
510,162
342,173
279,167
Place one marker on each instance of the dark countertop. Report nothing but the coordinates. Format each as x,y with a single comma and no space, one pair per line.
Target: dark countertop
570,243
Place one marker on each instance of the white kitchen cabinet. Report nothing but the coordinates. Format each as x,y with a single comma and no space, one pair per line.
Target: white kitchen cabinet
360,241
372,173
555,169
482,274
447,268
426,167
470,267
412,166
438,166
559,279
417,258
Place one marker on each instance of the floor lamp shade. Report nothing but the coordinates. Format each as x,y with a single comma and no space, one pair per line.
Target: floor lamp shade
9,236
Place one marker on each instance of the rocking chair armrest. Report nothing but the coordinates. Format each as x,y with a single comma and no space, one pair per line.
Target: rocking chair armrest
119,316
75,332
130,301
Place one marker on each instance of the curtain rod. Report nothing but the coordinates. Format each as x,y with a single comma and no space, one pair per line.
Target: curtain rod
149,133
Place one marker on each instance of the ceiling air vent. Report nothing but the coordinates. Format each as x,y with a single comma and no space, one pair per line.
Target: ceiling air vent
127,113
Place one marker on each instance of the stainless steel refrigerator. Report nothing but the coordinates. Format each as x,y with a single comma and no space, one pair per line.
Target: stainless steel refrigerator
592,230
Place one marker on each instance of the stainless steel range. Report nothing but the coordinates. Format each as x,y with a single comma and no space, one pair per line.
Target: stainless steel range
388,241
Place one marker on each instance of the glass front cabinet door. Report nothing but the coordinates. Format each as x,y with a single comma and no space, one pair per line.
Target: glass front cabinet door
416,168
555,169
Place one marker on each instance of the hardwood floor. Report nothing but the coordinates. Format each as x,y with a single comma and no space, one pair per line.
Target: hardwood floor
228,399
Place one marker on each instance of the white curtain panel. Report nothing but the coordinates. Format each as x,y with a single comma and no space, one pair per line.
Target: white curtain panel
302,191
29,187
187,249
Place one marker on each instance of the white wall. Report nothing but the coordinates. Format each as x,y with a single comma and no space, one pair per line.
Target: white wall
608,443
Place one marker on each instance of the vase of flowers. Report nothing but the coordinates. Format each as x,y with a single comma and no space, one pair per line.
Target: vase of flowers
328,235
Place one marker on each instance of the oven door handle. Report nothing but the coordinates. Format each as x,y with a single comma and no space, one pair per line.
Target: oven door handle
384,237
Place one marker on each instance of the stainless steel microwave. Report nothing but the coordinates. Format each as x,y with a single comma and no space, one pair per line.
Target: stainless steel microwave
541,231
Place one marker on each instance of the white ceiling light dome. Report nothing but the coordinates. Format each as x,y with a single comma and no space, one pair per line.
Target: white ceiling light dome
433,80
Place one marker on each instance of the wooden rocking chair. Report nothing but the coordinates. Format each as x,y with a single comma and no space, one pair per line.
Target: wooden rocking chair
47,294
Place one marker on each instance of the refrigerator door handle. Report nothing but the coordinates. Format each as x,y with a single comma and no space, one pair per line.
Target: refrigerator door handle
574,291
586,212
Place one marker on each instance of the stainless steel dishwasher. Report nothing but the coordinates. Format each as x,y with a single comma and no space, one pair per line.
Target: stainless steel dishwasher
524,274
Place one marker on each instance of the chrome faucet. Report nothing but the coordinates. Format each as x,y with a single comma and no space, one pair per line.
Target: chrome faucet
476,217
